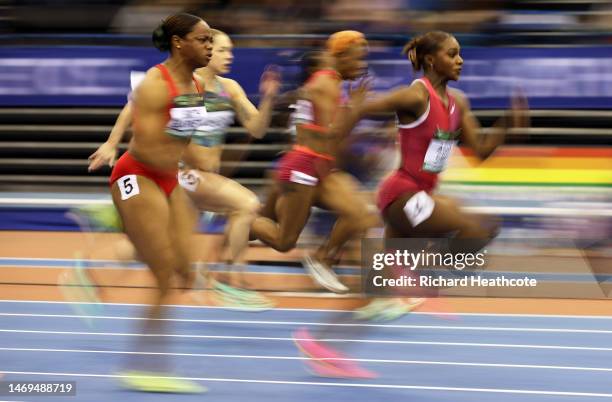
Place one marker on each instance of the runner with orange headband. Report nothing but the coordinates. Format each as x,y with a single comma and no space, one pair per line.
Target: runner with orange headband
306,176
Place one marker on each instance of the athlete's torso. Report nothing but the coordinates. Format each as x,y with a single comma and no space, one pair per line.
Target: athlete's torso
427,142
310,129
219,117
160,138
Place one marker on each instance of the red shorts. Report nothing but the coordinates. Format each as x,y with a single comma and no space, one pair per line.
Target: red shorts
128,166
303,166
397,184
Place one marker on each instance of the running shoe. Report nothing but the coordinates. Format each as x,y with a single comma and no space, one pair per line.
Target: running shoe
200,284
323,275
323,361
145,381
78,289
387,309
236,298
324,369
98,218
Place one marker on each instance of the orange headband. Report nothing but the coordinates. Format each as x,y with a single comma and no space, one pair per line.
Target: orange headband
341,41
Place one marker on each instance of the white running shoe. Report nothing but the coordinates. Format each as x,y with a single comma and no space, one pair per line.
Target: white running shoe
323,275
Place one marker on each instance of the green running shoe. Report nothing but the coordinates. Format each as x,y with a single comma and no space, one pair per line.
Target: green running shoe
387,309
243,299
77,288
98,218
144,381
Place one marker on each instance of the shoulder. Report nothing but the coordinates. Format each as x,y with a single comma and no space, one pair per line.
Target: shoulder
323,78
199,79
419,89
153,89
233,88
322,85
152,79
410,95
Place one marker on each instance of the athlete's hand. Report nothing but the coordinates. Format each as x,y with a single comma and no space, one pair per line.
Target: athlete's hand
519,110
105,154
269,84
518,118
357,94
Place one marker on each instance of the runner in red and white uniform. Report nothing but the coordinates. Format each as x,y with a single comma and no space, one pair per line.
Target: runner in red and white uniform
431,119
154,209
307,175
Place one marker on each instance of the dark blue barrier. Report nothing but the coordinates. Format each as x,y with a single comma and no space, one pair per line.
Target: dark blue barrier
51,219
572,78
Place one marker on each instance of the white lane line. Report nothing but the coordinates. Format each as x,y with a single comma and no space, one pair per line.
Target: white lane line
186,306
64,202
260,357
263,338
189,306
322,324
339,384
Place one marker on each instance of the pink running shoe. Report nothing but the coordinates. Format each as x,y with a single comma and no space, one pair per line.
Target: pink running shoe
323,369
325,361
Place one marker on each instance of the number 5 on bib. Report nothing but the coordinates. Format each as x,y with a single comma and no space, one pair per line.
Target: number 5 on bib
128,186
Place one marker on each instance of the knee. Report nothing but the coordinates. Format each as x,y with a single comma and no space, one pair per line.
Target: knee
125,250
482,228
249,207
369,221
493,224
473,230
363,220
474,237
287,244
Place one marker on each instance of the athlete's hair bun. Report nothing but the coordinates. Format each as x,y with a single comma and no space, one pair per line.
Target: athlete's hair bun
422,45
178,24
160,39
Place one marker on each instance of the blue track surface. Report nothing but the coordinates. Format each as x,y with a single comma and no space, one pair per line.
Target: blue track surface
251,357
280,269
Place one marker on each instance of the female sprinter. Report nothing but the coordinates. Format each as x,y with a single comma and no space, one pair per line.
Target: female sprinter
168,107
210,191
431,118
306,175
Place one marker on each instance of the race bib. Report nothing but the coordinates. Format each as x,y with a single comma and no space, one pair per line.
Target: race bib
186,116
439,151
303,178
304,112
212,131
189,180
419,207
128,186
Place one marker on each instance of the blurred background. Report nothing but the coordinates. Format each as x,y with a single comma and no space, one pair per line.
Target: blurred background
64,75
528,22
